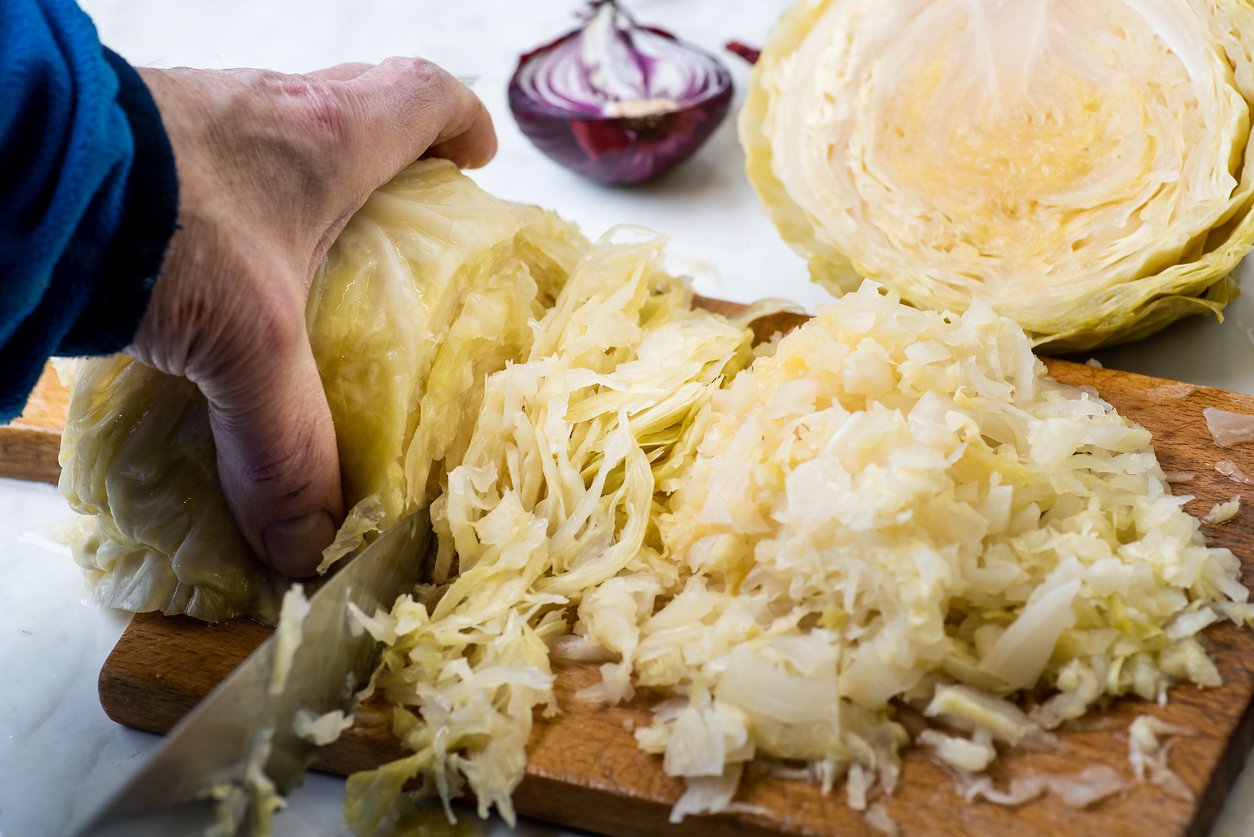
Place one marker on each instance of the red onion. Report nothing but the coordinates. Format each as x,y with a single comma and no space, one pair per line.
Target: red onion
617,102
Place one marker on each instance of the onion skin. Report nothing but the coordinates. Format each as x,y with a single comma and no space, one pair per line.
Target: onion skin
618,150
748,53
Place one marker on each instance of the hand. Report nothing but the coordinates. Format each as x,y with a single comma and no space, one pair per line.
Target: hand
270,169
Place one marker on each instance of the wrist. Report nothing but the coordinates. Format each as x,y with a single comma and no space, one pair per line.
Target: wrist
130,257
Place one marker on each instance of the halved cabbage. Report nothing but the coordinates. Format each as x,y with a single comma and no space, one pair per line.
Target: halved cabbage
430,287
1084,168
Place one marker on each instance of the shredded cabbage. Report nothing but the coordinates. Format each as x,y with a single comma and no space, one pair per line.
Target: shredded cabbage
247,804
1149,748
572,451
1233,472
776,545
1084,168
1227,428
893,505
320,729
970,755
287,637
1088,787
899,505
1223,512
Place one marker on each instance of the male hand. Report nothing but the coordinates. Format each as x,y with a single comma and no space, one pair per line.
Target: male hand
270,169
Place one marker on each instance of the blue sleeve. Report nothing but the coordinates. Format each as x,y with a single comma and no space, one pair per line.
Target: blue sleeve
88,193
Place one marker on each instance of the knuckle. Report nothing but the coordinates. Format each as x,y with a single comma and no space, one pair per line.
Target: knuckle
422,71
433,89
316,110
285,471
285,460
325,112
295,122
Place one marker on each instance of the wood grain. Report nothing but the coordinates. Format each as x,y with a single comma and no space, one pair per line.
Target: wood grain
29,444
585,770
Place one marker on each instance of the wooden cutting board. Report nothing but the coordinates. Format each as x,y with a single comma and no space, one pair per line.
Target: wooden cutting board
585,771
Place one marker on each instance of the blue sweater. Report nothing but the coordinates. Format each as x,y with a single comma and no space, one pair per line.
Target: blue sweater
88,193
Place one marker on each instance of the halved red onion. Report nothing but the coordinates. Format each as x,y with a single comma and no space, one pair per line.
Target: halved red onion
617,102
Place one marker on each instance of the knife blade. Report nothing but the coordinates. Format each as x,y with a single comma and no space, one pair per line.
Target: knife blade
246,723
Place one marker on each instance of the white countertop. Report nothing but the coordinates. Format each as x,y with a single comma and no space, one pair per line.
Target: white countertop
58,751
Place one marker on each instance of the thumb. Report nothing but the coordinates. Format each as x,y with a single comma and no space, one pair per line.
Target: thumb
277,459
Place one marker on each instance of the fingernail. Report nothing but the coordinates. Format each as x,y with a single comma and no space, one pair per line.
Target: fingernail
295,545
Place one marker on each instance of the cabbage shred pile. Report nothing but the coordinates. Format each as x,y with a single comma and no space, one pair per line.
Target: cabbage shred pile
900,505
892,505
776,546
572,455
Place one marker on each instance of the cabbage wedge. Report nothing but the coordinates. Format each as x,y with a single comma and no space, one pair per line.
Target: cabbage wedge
1084,168
430,287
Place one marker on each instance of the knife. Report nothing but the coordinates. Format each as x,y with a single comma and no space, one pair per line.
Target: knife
246,723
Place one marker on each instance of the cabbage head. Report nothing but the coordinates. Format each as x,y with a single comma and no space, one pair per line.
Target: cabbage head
430,287
1084,168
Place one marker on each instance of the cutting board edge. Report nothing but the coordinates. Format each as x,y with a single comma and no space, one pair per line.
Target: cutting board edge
30,453
1228,767
547,792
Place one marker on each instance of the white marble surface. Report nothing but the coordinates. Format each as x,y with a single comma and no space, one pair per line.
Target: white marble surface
58,751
